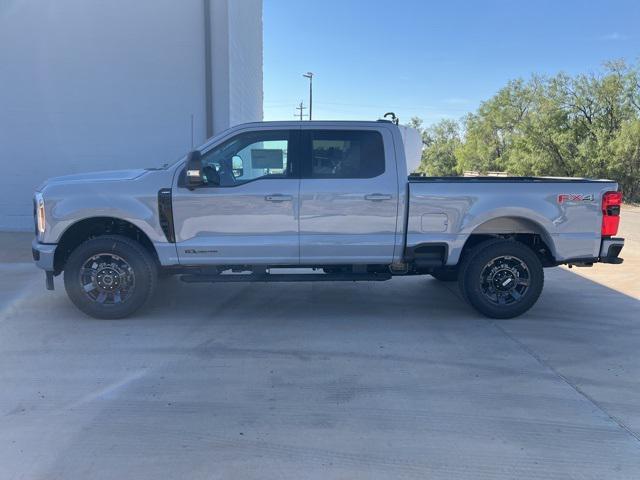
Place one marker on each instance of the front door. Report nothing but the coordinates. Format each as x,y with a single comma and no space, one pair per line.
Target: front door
247,210
348,197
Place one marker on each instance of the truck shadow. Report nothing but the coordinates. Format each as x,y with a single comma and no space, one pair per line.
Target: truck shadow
567,298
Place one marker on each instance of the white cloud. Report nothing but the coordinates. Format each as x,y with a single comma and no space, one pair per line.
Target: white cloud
613,37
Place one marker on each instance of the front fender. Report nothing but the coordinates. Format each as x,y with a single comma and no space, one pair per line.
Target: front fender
135,201
63,214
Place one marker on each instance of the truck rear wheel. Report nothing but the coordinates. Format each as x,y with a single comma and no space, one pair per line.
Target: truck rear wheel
110,277
501,278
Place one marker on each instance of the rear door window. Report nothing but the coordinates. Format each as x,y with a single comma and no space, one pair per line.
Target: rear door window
345,154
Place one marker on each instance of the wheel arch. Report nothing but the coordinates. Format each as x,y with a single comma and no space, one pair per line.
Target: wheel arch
93,227
521,229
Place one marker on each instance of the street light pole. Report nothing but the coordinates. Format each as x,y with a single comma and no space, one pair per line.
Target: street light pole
309,75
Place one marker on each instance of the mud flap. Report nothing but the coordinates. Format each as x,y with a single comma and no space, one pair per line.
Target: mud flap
49,280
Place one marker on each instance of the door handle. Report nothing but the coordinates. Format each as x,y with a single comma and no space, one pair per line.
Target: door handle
377,197
278,198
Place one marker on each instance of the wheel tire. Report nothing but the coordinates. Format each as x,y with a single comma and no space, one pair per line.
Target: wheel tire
142,267
477,287
445,274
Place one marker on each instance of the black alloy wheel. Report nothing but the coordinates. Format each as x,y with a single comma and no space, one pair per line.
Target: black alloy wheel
110,276
501,278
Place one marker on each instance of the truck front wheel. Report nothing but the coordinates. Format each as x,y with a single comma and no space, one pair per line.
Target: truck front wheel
501,278
110,277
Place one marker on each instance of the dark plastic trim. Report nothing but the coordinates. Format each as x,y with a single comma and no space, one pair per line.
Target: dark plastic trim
411,256
165,214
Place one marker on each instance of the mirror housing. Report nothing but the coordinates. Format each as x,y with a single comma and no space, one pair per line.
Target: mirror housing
193,170
237,166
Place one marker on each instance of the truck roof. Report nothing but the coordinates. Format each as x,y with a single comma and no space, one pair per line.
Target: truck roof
318,123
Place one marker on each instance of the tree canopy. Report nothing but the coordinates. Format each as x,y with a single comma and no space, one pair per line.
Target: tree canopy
586,125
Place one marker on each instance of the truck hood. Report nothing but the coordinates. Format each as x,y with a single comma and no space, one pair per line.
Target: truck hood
107,176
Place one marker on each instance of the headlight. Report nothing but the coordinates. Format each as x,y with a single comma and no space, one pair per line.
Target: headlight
40,214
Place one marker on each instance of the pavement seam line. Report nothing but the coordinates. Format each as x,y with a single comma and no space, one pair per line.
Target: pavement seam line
546,365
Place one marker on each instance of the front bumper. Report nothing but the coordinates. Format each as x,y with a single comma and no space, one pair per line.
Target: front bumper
43,254
610,250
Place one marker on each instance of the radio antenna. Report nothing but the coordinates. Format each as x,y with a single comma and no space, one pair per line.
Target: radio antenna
394,119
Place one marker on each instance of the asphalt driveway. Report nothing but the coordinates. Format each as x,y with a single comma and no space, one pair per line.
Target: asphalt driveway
396,379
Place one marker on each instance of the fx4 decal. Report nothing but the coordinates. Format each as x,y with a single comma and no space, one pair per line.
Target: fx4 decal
575,198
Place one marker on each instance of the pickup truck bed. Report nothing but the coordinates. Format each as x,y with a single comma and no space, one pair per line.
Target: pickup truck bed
450,210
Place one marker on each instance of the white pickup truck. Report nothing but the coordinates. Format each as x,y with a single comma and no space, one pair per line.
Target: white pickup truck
334,197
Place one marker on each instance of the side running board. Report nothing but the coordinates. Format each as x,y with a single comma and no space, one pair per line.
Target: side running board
287,277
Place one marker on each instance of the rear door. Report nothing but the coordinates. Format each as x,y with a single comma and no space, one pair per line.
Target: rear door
247,210
348,196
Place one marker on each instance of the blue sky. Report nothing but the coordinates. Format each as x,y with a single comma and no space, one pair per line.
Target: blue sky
432,59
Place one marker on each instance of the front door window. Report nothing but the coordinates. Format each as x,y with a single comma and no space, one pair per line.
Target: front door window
247,157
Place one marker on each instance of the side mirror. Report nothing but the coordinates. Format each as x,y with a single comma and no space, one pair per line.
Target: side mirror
194,169
237,165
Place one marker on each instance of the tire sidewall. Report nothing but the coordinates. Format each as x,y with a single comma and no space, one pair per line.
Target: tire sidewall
470,282
131,252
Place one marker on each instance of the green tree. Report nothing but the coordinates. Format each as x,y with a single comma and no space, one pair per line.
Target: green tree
583,125
491,132
625,161
439,155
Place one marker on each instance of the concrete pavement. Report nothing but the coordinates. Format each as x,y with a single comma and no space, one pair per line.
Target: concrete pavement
397,379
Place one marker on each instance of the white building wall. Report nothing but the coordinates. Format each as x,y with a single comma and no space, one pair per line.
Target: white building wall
220,64
236,62
88,85
245,53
